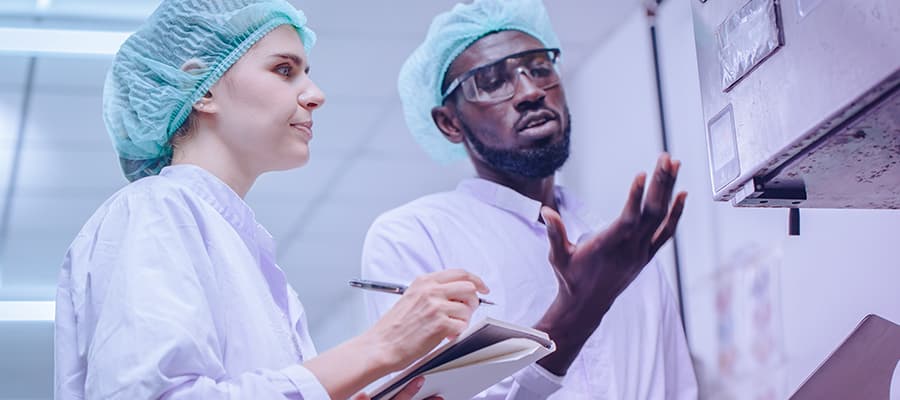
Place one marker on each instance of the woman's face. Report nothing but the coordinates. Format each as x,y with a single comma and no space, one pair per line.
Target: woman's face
264,104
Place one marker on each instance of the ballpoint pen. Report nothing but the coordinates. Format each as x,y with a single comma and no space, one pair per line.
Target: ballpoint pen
391,288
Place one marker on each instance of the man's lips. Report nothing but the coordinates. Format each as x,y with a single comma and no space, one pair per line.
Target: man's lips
535,118
537,124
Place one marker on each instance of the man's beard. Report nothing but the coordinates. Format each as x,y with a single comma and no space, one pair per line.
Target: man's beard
535,163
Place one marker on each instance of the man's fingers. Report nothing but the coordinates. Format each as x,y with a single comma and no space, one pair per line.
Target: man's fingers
560,248
671,223
632,212
659,193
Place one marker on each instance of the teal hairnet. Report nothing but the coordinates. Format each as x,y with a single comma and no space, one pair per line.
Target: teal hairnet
172,61
449,35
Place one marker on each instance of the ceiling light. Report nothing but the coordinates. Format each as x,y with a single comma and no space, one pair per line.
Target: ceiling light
30,41
27,311
43,4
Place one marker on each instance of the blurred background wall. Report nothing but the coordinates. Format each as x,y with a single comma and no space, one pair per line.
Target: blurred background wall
761,309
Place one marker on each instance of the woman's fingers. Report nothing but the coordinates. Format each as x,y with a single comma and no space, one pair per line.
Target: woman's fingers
458,310
462,291
410,390
457,274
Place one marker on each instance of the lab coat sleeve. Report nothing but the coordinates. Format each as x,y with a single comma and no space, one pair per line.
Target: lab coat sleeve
146,319
398,248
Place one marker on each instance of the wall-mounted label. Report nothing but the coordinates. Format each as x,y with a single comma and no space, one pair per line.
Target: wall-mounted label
746,38
723,154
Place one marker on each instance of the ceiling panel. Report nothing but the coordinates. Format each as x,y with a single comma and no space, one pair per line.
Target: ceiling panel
399,179
18,5
12,72
393,139
46,171
27,377
67,74
9,124
350,216
39,232
343,123
66,121
31,262
319,268
365,19
367,69
107,8
48,216
580,22
281,199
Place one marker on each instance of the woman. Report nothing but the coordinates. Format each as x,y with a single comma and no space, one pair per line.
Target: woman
171,289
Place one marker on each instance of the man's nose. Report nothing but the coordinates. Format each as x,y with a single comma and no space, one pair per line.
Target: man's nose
526,89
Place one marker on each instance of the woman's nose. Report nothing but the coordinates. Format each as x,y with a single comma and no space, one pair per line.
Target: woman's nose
311,98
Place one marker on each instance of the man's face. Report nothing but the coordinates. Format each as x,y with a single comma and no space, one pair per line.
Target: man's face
526,135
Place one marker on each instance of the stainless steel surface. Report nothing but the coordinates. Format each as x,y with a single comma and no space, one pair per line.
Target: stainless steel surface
791,111
857,165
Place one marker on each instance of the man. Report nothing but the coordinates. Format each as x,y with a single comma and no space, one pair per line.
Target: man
484,83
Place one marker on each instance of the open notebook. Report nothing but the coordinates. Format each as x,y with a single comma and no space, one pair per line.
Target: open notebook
485,354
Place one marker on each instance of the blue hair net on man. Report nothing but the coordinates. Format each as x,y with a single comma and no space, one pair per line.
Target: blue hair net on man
450,34
172,61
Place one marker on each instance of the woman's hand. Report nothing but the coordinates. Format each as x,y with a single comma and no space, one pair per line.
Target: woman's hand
434,307
406,394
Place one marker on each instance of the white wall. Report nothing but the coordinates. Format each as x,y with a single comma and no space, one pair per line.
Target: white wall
843,266
762,309
615,121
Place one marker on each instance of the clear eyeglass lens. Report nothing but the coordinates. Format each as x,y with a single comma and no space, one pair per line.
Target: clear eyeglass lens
498,81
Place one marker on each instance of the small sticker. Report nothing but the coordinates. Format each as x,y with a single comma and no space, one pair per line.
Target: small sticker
723,152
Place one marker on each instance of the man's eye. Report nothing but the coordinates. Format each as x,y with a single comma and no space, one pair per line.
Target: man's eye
490,79
489,83
541,71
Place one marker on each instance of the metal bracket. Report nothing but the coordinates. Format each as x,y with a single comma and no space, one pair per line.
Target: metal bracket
780,193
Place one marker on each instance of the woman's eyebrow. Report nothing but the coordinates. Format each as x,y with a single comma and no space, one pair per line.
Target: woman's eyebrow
290,57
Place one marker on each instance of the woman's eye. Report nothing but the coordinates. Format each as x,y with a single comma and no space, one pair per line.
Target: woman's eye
284,70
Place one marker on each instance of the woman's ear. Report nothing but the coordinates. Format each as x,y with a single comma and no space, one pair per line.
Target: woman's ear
206,104
445,119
